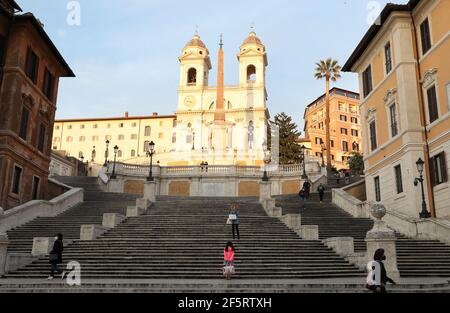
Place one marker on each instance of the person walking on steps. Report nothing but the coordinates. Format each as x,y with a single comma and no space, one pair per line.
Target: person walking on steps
306,189
233,217
379,257
228,260
55,257
321,191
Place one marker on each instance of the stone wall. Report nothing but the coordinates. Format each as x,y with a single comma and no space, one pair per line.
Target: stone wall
179,188
134,187
290,187
357,190
248,189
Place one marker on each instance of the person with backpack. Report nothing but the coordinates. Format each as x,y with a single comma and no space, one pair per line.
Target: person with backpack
228,260
55,257
321,191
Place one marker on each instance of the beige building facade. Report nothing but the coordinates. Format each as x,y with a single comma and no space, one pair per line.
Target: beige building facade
345,126
404,72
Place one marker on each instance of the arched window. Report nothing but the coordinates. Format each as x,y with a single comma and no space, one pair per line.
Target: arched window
251,73
119,153
133,153
146,145
355,146
192,76
148,131
80,154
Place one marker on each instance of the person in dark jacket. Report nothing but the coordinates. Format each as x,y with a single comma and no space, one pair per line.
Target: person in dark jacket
321,191
56,257
306,189
379,257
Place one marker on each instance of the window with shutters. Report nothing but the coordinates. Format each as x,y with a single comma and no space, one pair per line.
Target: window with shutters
41,141
376,181
432,104
425,36
355,133
148,131
344,131
393,115
373,135
32,65
16,181
146,146
398,178
438,168
367,81
24,120
36,185
49,85
388,57
345,146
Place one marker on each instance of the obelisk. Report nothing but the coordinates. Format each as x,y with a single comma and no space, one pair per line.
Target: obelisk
219,125
219,114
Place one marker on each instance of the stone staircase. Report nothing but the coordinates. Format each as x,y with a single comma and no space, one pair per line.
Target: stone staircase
184,238
217,286
416,258
90,211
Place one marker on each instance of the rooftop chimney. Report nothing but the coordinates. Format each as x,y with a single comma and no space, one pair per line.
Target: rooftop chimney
126,114
155,113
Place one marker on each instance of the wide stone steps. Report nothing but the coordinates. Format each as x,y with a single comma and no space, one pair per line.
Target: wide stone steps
215,286
412,254
184,238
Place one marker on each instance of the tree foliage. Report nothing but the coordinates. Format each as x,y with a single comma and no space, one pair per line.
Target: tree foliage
288,134
356,162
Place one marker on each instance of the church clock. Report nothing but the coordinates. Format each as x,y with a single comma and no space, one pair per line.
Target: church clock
189,102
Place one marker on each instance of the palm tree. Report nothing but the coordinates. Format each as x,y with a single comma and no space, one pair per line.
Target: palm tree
328,69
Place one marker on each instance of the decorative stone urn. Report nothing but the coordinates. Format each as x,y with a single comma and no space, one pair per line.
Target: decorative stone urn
380,229
378,211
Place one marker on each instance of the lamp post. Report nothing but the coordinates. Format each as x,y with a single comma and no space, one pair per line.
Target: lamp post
113,175
106,153
193,140
266,161
150,153
322,145
420,165
93,154
302,151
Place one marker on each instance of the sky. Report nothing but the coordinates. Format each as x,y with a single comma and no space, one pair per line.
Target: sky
125,52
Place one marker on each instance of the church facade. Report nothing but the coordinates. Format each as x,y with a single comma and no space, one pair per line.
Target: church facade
221,125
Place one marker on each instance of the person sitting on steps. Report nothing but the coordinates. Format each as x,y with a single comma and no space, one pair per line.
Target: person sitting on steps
228,257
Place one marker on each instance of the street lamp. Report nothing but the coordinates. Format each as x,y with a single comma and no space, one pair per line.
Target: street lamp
116,150
420,166
266,161
322,145
150,153
193,140
106,153
302,152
